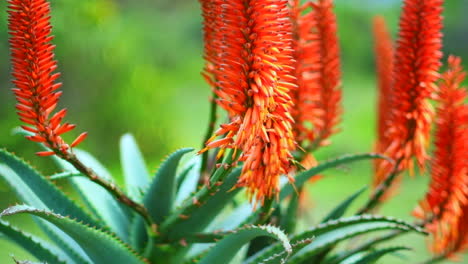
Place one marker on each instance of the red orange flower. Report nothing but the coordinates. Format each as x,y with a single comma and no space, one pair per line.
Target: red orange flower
318,72
447,197
251,60
34,77
417,61
383,47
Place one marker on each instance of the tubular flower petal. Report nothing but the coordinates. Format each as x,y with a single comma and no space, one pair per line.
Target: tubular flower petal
417,61
318,97
448,192
248,48
33,72
384,54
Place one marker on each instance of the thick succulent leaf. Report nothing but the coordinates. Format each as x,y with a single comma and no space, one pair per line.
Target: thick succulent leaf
304,176
69,246
98,200
27,262
187,180
228,247
207,211
329,233
34,189
372,257
182,177
159,198
134,167
100,246
39,249
330,238
340,210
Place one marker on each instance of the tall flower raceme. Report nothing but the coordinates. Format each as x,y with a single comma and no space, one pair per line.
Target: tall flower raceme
34,77
250,61
417,62
445,204
384,61
318,97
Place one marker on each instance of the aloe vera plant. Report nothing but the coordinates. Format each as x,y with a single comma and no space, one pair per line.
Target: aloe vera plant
82,235
237,199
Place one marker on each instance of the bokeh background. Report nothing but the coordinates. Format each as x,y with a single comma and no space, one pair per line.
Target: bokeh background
133,66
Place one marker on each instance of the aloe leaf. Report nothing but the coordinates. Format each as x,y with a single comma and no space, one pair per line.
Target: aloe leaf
340,210
64,175
64,242
207,211
336,213
227,247
332,232
134,167
39,249
373,257
201,196
182,177
27,262
304,176
34,189
98,200
330,238
100,246
187,180
160,196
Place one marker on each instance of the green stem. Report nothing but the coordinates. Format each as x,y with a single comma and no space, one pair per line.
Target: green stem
209,133
266,212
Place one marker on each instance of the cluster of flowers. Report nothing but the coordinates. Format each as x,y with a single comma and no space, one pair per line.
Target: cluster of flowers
274,66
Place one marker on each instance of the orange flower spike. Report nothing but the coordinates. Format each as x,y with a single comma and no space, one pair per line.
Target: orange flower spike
456,240
417,62
33,66
252,60
383,47
318,72
448,191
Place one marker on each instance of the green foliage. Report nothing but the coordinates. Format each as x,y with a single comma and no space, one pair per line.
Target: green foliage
33,189
100,246
134,167
39,250
340,210
160,196
372,257
304,176
180,227
226,248
101,203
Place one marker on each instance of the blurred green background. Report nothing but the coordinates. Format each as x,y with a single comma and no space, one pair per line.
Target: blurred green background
133,66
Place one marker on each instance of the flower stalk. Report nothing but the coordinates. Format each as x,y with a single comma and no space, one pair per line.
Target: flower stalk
36,91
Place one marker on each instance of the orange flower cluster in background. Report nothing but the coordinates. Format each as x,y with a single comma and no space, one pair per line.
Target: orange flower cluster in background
34,77
384,56
407,80
405,113
447,199
318,71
